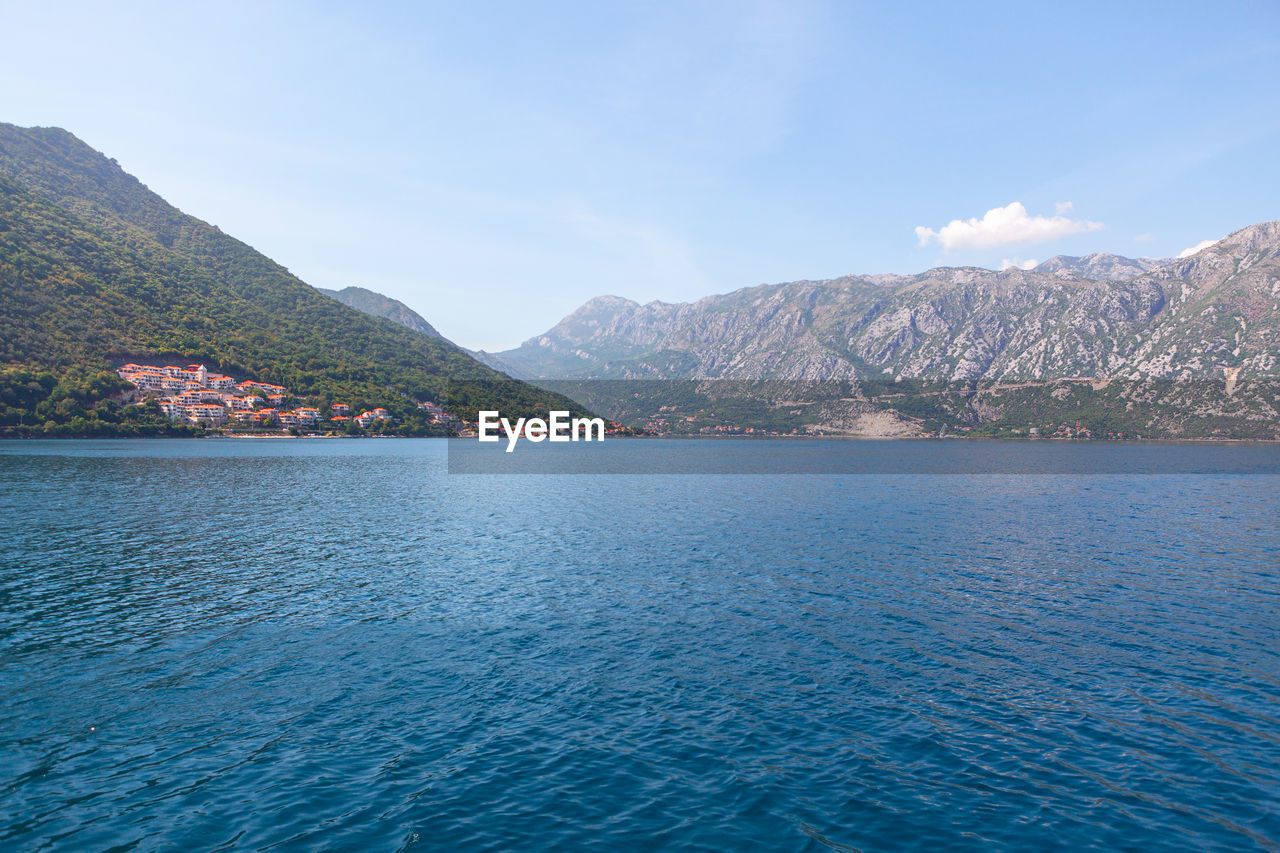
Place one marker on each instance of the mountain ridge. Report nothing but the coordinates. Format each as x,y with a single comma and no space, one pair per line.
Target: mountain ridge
378,305
1101,266
947,323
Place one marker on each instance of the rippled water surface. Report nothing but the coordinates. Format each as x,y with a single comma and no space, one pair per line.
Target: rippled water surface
302,645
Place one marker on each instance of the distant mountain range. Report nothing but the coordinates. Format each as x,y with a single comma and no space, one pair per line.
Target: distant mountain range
96,269
1096,316
1095,346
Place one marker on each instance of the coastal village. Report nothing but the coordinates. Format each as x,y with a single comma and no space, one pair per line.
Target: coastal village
195,395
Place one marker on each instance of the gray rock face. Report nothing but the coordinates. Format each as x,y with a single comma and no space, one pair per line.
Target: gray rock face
1100,315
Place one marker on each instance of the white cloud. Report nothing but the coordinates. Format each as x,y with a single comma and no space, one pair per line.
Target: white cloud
1203,244
1007,263
1063,207
1003,226
1144,238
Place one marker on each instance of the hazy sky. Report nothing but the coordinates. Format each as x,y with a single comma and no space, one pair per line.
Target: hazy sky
495,165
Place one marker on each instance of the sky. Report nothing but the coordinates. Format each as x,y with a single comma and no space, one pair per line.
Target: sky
496,165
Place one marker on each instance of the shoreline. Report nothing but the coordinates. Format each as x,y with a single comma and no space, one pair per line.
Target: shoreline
878,438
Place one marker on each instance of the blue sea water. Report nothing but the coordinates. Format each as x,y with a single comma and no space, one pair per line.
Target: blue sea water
337,645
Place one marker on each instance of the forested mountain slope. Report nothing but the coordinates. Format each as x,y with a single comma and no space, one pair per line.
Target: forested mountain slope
96,269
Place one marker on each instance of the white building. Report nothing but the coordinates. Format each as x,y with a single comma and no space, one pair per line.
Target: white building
206,412
147,380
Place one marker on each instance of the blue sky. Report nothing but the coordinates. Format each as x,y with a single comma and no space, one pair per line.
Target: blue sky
495,165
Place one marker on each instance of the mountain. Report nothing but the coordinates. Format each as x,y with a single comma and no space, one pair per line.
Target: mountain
378,305
1099,345
95,269
1222,308
1101,266
499,364
1181,319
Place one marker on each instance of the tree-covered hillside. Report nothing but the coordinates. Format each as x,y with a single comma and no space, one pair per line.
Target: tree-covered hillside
96,269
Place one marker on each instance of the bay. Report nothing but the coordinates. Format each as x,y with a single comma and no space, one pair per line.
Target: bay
338,645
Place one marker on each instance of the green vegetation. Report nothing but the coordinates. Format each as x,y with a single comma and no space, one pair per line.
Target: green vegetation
42,404
95,270
1121,409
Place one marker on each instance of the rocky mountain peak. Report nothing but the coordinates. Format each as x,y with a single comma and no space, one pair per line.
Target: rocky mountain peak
1264,237
1100,266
